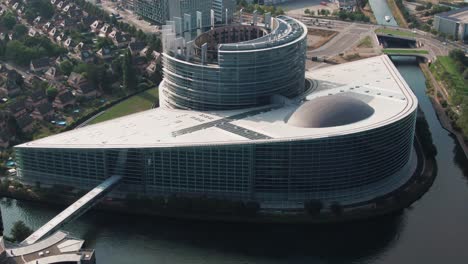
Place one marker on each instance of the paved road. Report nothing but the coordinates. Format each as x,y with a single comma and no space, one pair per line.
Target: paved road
349,33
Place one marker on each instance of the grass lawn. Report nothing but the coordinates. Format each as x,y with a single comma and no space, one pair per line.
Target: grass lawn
448,66
137,103
365,43
395,32
405,51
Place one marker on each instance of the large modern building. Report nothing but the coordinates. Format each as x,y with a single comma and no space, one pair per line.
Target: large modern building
163,10
453,23
241,119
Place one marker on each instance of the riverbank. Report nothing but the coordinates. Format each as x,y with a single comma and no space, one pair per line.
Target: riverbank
444,120
397,14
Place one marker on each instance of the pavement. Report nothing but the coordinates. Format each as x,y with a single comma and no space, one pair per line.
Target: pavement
128,16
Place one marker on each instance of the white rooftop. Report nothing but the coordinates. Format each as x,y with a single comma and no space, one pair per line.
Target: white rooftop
374,81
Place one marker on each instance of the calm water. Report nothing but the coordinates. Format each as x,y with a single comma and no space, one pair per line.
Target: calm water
434,230
381,9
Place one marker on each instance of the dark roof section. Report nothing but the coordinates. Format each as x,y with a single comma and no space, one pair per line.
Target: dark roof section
86,88
137,46
24,121
40,63
16,106
38,95
330,111
66,97
44,108
449,14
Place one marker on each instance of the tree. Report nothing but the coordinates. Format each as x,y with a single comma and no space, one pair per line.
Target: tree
128,72
307,11
103,42
9,20
51,93
20,30
66,67
20,231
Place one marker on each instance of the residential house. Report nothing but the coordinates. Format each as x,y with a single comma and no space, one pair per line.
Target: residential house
39,64
78,47
81,86
43,111
68,23
86,90
37,20
105,30
64,100
61,59
46,26
4,140
35,99
60,5
53,33
10,89
17,108
12,84
120,39
104,53
152,68
25,123
82,55
136,47
140,63
96,26
68,43
75,79
51,74
32,32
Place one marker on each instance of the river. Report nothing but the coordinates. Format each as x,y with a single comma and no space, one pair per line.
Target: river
381,9
433,230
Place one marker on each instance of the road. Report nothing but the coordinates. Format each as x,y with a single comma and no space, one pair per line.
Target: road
128,16
349,34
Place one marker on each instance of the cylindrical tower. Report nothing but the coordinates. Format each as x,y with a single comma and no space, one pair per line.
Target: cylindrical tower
235,66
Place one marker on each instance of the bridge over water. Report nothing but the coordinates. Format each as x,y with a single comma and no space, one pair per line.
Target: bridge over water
75,210
82,205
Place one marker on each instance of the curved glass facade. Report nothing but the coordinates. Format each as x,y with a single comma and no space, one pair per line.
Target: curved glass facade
245,74
341,168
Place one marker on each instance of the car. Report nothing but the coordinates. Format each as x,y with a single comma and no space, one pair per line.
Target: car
444,43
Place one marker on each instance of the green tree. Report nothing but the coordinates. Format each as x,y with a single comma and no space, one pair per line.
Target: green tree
103,42
9,20
51,93
20,30
20,231
66,67
128,72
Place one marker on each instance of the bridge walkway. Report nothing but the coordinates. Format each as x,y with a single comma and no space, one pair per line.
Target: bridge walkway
83,204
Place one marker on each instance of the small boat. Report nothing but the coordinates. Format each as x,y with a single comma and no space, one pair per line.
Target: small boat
388,18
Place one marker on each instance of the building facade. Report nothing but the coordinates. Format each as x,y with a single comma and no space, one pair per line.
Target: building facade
240,119
453,23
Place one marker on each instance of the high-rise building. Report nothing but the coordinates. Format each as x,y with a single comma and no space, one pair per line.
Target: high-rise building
164,10
224,9
156,10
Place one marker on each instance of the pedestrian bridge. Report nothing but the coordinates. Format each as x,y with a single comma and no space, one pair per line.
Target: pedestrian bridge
75,210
